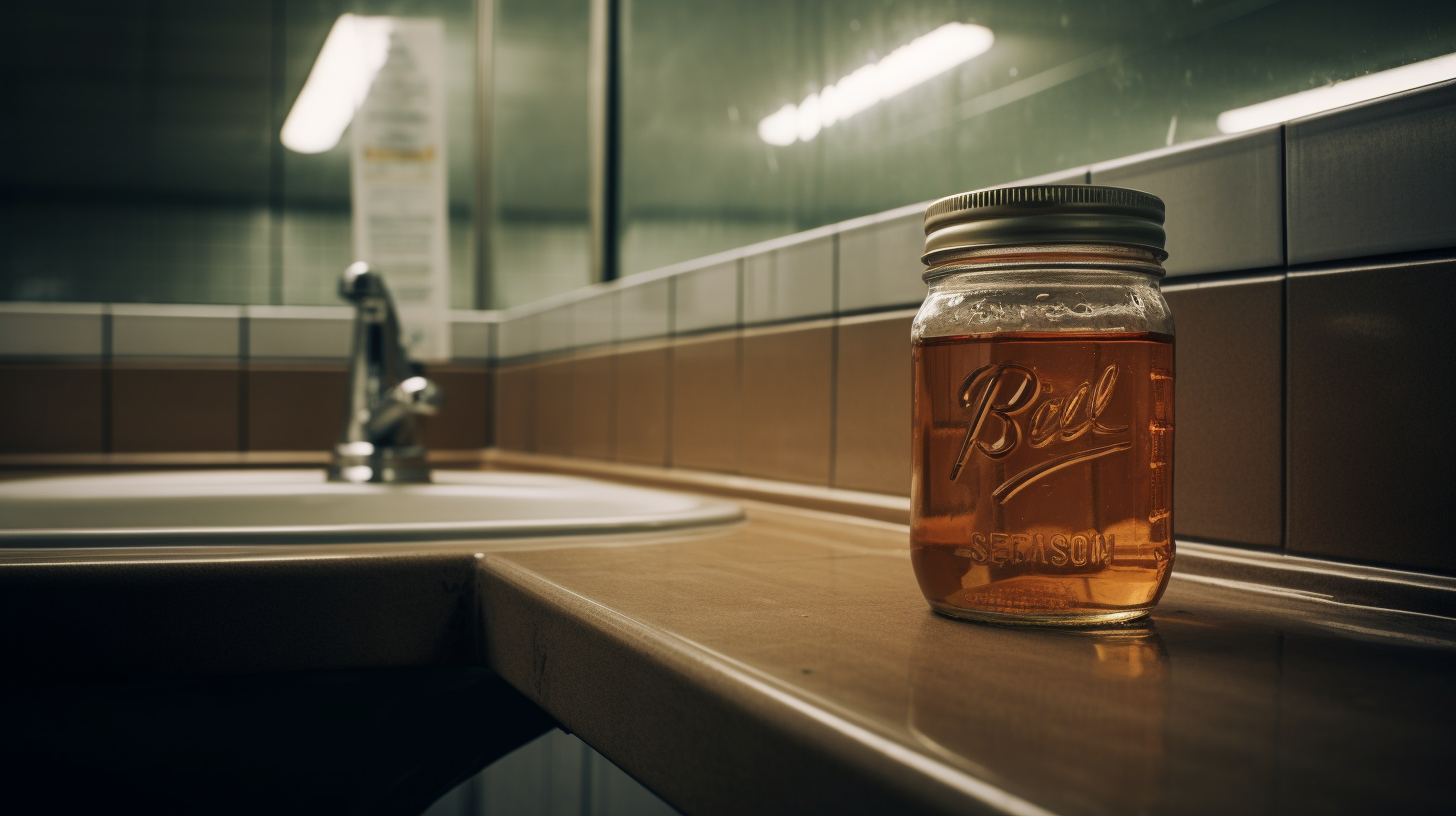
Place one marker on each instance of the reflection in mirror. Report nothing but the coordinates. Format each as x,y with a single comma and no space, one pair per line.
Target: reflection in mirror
751,120
539,230
154,171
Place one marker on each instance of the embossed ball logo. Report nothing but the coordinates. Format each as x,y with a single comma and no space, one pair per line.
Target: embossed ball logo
998,397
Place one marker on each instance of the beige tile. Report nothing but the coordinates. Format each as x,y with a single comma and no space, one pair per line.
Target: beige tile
471,338
51,329
706,298
554,329
516,337
594,406
786,404
174,408
295,407
554,398
464,421
300,332
643,309
515,404
51,408
642,406
872,405
879,263
795,281
594,320
191,331
705,403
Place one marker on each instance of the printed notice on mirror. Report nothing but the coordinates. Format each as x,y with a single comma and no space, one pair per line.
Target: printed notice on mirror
399,183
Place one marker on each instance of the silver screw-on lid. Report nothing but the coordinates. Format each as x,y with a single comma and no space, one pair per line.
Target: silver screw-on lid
1043,214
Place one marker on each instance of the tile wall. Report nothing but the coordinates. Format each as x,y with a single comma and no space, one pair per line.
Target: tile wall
130,378
1296,254
1312,373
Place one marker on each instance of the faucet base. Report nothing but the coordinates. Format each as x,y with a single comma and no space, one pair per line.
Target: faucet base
404,465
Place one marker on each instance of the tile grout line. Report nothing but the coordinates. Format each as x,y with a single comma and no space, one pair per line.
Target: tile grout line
1284,480
738,401
244,382
834,368
670,363
106,380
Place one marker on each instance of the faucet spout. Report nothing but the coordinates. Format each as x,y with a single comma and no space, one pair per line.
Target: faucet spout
380,438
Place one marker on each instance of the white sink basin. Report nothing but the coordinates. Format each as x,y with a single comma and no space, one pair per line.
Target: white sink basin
292,506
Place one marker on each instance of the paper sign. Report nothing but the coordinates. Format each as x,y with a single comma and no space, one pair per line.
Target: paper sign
399,184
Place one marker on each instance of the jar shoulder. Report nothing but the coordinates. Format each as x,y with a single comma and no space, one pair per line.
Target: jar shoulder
1029,303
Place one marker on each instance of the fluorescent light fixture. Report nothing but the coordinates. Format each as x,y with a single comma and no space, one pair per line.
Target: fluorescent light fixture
1338,95
921,59
356,48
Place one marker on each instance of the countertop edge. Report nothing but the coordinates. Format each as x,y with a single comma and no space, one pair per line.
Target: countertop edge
645,698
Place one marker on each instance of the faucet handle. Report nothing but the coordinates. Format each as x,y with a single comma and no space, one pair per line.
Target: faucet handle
415,395
419,395
360,282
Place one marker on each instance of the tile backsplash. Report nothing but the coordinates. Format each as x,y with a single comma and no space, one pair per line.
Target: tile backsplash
1301,379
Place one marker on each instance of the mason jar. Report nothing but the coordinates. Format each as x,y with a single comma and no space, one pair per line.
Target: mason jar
1042,483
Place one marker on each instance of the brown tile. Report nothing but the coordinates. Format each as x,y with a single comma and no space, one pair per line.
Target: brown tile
181,408
705,403
594,409
642,406
872,406
1228,455
464,421
1370,440
554,407
515,405
51,408
295,406
786,403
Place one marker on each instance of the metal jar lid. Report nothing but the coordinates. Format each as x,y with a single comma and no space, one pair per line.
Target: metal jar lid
1043,214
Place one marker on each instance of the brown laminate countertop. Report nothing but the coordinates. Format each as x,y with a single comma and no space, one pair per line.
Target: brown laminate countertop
788,664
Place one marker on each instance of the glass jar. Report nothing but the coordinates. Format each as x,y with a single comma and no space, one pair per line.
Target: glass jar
1041,489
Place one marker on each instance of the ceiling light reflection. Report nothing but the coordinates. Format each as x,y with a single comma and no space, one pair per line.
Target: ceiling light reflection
909,65
356,48
1338,95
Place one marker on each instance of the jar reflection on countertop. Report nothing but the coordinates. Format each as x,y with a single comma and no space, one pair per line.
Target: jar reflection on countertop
1084,712
1041,489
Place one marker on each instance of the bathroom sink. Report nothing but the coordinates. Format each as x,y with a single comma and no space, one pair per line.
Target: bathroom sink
293,506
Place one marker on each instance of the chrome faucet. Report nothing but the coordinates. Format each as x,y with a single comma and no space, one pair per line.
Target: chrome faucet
379,442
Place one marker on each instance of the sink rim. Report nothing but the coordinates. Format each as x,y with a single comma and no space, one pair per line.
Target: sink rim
701,511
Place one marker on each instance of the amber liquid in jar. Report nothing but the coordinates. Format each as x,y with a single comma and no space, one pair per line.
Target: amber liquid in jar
1042,474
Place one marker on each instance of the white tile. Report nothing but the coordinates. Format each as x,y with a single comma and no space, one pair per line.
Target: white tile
197,331
642,310
553,329
1225,200
471,340
594,320
790,282
879,264
758,286
299,332
517,336
473,334
706,298
50,330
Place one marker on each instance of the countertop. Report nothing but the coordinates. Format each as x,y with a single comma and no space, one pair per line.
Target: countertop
788,664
